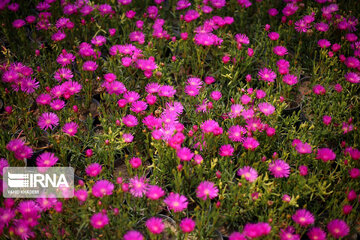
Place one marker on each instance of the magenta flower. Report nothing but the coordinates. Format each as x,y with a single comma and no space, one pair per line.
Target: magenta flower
48,120
130,121
303,217
226,150
102,188
133,235
319,90
338,228
99,220
70,128
236,133
279,169
352,77
209,126
93,169
316,233
325,154
266,108
250,143
154,192
254,230
237,236
81,194
267,75
290,79
184,154
90,66
135,162
155,225
176,202
46,160
303,148
206,190
187,225
280,50
249,173
138,186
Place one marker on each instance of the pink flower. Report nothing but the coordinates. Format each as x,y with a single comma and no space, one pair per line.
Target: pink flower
250,143
128,137
338,228
155,225
70,128
325,154
316,233
354,173
130,121
254,230
90,66
303,217
236,133
187,225
249,173
154,192
326,120
303,170
319,90
102,188
279,169
48,120
138,186
209,126
273,36
191,15
303,148
81,194
226,150
93,169
266,108
184,154
206,190
267,75
99,220
46,160
280,50
135,162
133,235
324,43
290,79
352,77
176,202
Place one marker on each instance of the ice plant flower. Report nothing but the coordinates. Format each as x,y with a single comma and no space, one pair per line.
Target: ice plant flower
154,192
338,228
250,143
155,225
325,154
46,160
93,169
266,108
133,235
206,190
316,233
99,220
102,188
176,202
70,128
187,225
303,217
48,120
247,172
138,186
279,168
267,75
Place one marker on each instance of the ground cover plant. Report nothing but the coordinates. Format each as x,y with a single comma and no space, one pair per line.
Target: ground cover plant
204,119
